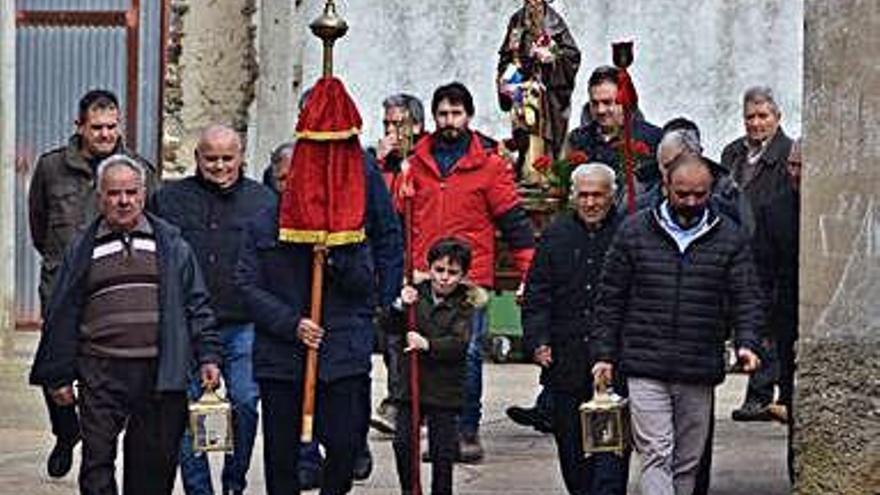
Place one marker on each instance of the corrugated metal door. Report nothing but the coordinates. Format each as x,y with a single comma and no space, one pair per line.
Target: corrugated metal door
63,49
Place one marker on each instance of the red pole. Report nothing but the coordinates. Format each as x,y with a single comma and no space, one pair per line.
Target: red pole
415,416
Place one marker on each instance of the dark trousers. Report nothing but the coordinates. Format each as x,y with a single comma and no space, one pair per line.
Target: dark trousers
338,405
64,421
761,383
442,442
116,395
600,474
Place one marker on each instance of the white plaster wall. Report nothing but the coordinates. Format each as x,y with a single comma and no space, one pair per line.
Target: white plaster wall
693,58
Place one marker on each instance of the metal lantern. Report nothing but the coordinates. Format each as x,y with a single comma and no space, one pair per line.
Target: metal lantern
210,422
605,423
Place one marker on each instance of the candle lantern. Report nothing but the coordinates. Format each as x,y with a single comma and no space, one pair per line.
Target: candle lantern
210,422
605,423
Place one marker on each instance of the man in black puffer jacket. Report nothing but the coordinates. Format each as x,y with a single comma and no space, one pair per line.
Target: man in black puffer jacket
675,278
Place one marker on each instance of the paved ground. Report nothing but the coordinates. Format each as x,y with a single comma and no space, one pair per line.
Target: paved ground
749,458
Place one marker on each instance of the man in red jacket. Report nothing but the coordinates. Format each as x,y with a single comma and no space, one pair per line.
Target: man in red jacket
460,186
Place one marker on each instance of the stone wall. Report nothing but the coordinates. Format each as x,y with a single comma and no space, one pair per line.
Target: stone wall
211,73
838,387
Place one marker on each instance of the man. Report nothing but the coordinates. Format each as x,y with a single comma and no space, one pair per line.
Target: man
777,239
558,314
61,203
757,161
210,209
404,125
127,317
461,187
602,138
538,48
675,278
274,279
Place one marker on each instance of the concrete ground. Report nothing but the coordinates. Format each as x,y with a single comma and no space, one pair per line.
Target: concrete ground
749,457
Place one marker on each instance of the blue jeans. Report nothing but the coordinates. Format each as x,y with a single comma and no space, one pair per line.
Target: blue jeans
242,391
473,379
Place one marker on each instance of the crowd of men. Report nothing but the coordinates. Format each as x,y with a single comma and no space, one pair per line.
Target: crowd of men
153,293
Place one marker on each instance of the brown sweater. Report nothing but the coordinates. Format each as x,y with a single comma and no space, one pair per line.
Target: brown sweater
121,313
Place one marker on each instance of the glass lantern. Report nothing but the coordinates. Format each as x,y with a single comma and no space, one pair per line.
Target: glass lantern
210,422
605,423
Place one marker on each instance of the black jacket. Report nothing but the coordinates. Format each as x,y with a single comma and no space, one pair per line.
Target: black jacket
446,325
187,329
212,221
665,315
770,178
560,294
776,253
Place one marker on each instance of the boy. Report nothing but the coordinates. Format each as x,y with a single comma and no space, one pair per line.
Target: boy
444,305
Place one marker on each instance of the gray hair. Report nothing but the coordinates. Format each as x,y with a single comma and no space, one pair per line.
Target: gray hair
410,103
592,169
684,140
120,160
278,153
761,94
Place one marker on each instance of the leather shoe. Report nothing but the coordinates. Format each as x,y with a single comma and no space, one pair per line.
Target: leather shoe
61,458
470,451
530,416
363,465
752,411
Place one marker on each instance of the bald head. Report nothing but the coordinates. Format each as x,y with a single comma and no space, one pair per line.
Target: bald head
689,189
219,155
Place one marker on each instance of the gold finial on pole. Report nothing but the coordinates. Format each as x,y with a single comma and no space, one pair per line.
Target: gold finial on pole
329,27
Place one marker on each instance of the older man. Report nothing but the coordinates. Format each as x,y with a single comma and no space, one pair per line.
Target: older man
127,317
757,160
211,208
61,203
676,277
558,315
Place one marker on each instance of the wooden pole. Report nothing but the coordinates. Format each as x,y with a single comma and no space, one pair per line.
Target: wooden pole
311,378
411,326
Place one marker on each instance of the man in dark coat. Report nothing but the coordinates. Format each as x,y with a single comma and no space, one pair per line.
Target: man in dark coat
675,279
777,239
539,47
274,279
757,162
128,316
602,138
210,208
61,203
558,314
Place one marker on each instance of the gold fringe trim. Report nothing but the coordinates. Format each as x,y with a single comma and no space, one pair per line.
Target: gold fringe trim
322,237
328,135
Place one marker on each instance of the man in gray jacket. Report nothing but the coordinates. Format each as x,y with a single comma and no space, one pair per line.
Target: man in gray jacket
129,314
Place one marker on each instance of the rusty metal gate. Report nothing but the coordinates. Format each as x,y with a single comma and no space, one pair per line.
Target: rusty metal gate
63,49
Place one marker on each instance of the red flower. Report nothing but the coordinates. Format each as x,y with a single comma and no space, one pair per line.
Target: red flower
641,148
577,157
542,164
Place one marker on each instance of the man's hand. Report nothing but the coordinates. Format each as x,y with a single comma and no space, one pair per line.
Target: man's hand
750,361
309,333
387,145
210,374
520,294
409,294
415,342
543,356
602,371
63,396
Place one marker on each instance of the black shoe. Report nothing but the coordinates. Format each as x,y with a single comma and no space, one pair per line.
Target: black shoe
363,465
309,479
233,492
61,457
751,411
470,450
530,416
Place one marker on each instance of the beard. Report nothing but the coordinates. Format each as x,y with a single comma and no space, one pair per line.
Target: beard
450,134
688,216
